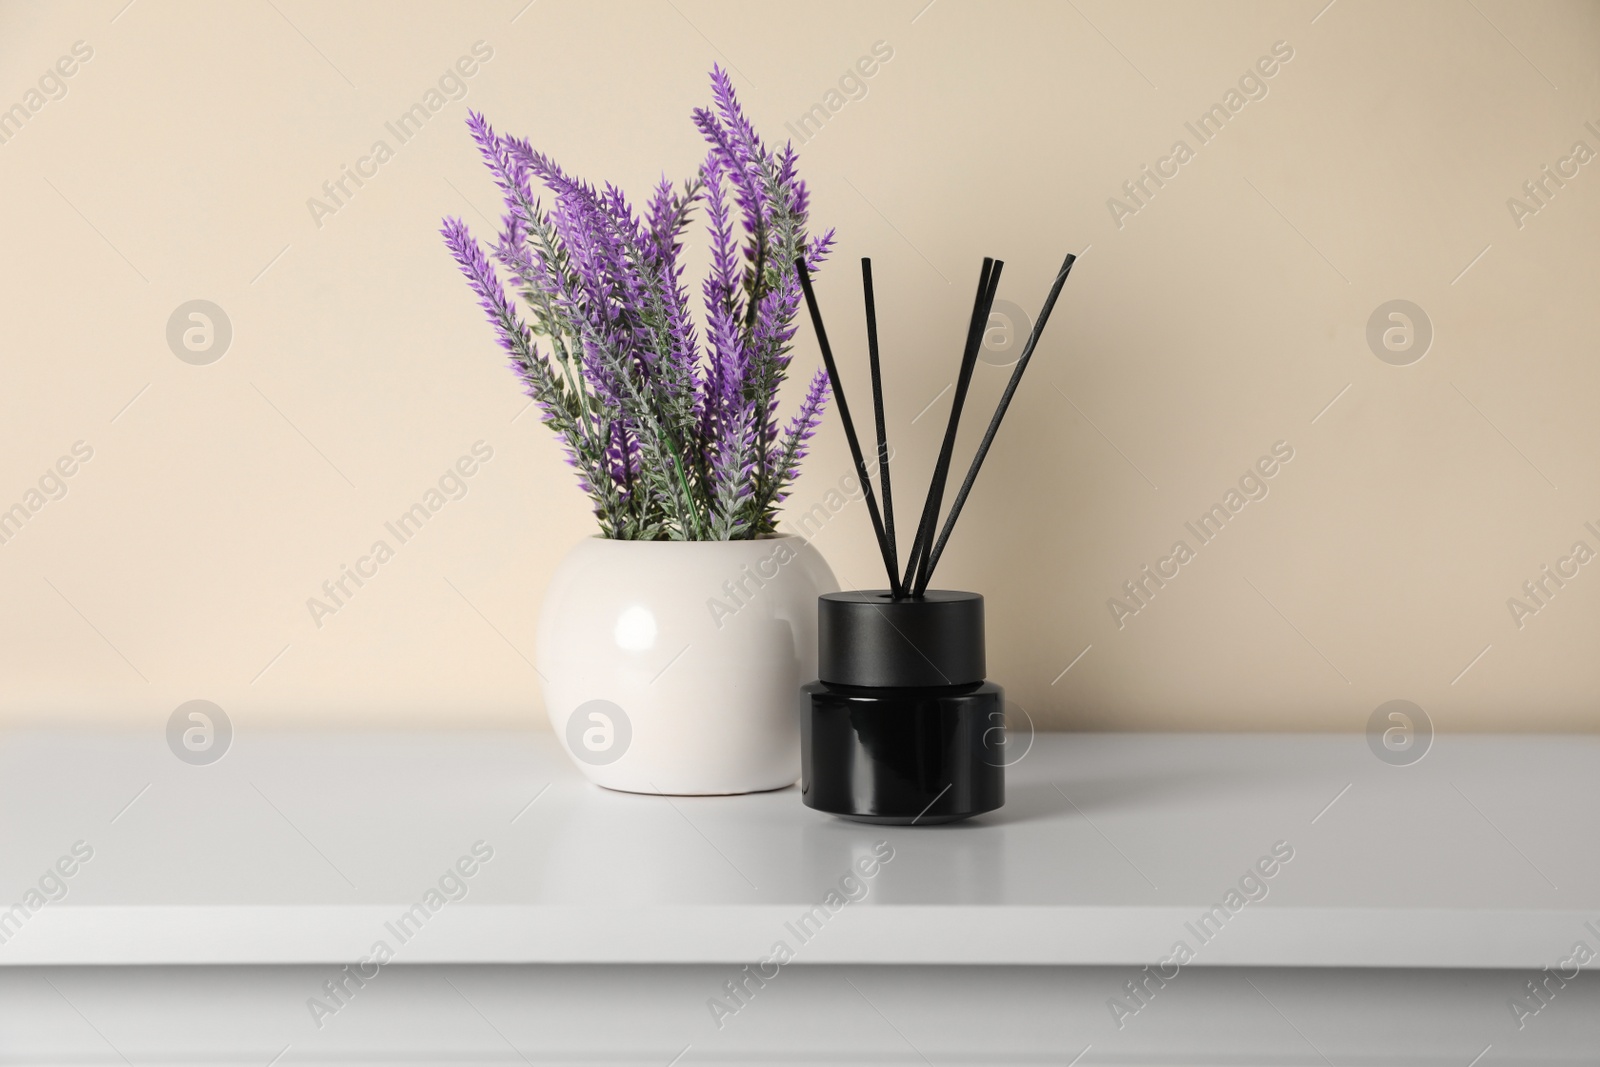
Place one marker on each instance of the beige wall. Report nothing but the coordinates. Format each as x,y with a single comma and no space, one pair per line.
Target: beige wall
1222,316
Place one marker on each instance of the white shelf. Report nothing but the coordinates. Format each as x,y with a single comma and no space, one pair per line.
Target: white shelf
300,848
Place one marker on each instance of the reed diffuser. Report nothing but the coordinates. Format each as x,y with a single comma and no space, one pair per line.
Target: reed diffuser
895,728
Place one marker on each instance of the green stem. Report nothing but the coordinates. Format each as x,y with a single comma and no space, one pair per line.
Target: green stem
688,497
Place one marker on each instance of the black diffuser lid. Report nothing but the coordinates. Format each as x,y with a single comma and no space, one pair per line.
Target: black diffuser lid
866,637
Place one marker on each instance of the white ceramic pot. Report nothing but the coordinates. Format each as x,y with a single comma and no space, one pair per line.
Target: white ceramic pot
675,666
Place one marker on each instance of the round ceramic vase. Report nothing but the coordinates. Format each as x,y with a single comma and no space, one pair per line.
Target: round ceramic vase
674,666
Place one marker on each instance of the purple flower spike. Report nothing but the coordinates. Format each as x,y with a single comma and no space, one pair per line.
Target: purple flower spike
670,423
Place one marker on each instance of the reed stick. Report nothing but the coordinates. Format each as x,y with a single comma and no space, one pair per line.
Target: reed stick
999,414
844,416
914,557
895,588
988,282
942,472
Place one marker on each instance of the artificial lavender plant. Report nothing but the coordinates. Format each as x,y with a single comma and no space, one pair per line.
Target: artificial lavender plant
671,424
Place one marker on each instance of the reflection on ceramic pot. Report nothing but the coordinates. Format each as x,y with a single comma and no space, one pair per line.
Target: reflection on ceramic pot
673,666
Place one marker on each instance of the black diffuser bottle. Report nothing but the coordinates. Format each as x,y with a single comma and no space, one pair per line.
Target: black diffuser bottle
902,727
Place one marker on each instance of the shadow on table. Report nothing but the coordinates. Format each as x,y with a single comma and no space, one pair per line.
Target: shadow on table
1034,800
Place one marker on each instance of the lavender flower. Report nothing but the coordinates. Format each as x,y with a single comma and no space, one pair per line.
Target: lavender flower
796,440
671,424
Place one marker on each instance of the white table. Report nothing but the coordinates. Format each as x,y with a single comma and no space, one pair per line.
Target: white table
605,927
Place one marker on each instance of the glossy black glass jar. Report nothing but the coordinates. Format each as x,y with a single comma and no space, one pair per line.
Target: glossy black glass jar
901,727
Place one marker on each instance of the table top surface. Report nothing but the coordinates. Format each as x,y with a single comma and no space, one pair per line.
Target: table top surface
1112,848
